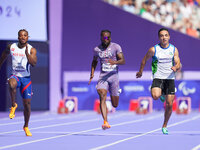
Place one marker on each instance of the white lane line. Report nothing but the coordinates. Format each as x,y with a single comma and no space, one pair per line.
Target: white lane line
55,115
97,134
49,126
133,137
117,134
114,125
196,147
103,134
74,133
44,139
21,115
63,124
20,122
48,119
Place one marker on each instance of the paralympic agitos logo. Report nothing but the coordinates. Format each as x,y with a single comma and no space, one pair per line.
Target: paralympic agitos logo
185,89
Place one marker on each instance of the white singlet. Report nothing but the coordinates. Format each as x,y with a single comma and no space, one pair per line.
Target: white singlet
162,61
20,65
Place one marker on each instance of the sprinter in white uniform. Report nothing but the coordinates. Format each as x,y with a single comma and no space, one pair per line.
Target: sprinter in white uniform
165,62
23,55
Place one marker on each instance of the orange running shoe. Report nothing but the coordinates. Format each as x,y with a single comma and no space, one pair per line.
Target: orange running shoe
27,131
105,125
12,111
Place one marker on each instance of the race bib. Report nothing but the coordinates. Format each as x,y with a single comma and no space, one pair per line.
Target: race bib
19,67
108,67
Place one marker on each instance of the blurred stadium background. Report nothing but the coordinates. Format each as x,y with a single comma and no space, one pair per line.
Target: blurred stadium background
64,32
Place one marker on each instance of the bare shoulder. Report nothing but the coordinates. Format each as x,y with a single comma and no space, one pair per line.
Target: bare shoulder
8,47
176,51
33,49
151,51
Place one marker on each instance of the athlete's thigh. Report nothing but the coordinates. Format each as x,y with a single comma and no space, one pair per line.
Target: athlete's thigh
102,87
26,101
170,87
102,84
26,88
156,87
14,81
156,91
114,85
170,91
102,93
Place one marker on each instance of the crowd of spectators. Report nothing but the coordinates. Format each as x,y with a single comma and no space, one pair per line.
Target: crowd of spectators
180,15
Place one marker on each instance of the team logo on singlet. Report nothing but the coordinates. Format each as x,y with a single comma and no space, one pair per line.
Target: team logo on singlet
105,54
12,49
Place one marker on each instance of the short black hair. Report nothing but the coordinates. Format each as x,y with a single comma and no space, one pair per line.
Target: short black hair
22,30
162,29
102,31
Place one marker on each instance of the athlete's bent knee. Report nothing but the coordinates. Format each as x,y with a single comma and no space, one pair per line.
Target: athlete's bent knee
12,85
115,105
102,94
115,101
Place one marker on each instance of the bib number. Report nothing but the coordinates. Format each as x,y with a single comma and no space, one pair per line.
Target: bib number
19,67
108,67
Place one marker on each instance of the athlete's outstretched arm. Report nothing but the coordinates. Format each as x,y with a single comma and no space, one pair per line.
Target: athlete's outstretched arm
120,60
148,55
32,57
4,55
177,62
93,67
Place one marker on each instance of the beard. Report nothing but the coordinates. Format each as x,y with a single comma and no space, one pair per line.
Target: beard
105,45
23,42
